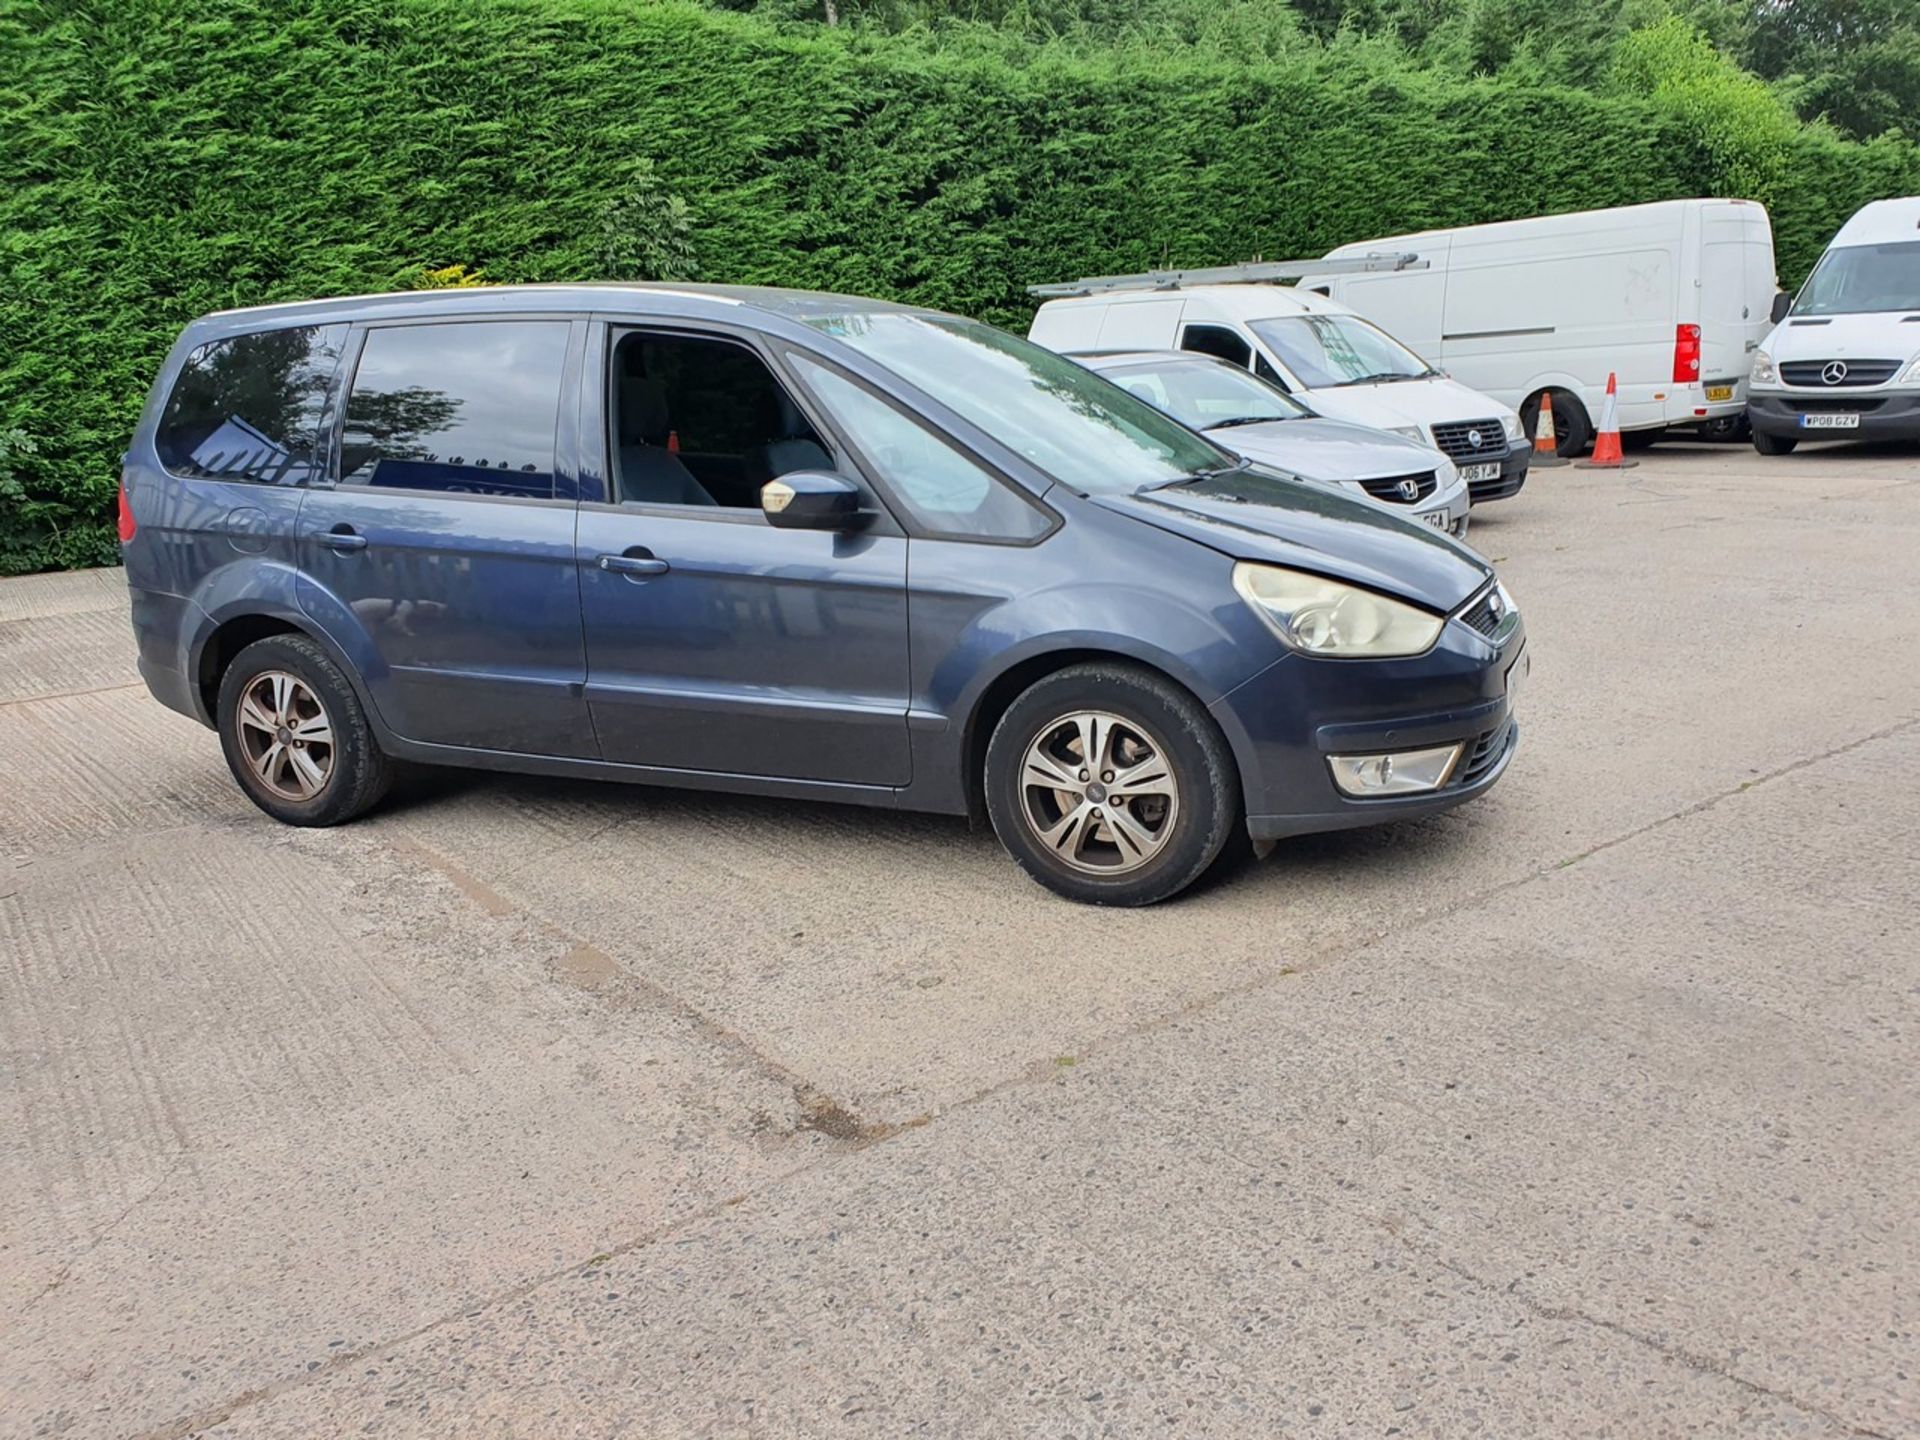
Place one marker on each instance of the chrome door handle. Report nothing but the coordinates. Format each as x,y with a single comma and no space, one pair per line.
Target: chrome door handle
343,541
633,564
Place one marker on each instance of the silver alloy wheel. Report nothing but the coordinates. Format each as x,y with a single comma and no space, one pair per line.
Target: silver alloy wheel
285,735
1098,793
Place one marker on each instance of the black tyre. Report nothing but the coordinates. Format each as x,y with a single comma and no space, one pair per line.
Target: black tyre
1110,785
1633,441
1774,444
295,735
1571,424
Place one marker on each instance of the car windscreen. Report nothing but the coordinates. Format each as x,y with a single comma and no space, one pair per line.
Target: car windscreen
1863,279
1080,429
1204,393
1328,350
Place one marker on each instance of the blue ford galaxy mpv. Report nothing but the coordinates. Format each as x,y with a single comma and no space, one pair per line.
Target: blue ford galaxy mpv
795,544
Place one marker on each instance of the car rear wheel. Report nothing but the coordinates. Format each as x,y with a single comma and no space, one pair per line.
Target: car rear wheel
1110,785
295,735
1572,427
1774,444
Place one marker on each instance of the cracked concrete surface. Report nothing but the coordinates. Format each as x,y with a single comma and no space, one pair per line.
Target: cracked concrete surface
527,1108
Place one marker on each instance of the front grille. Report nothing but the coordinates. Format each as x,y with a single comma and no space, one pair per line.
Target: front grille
1849,372
1485,754
1455,440
1390,487
1835,406
1484,615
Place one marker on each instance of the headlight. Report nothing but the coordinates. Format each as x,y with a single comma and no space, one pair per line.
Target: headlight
1762,372
1912,377
1511,424
1317,616
1412,432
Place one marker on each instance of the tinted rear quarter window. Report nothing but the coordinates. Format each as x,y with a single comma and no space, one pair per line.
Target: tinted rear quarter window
465,408
249,407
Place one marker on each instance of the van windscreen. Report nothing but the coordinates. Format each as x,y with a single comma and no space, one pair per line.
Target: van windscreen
1328,350
1863,279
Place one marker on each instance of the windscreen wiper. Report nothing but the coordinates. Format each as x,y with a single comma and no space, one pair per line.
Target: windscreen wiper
1195,478
1246,420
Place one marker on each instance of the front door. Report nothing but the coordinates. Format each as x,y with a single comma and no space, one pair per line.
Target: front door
716,642
442,558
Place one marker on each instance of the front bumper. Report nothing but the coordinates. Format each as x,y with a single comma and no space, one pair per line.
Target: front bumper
1513,473
1449,507
1288,719
1883,414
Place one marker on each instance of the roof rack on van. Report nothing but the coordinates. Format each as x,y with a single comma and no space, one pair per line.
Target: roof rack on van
1265,272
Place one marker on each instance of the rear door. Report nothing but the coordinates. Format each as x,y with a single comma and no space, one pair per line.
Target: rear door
1731,315
441,554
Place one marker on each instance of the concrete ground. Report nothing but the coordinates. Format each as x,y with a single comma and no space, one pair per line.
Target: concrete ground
528,1108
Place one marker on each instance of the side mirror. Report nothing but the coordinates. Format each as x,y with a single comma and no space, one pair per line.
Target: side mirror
812,500
1782,303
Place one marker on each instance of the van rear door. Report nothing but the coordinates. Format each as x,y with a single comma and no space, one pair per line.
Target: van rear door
1736,290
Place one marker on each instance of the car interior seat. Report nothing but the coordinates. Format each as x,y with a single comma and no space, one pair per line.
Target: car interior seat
650,473
796,446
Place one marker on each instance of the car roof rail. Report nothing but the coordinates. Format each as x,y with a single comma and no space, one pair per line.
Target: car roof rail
1259,272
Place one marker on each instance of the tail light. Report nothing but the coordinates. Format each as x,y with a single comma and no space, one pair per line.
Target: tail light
127,527
1686,354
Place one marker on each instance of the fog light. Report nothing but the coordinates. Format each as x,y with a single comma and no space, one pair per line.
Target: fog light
1405,772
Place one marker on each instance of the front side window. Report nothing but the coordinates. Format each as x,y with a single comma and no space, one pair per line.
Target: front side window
465,408
1070,423
1327,350
249,407
1218,341
946,493
698,420
1205,395
1864,279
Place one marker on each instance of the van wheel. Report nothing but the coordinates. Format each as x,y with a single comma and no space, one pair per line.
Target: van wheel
1633,441
1110,785
1573,430
295,735
1774,444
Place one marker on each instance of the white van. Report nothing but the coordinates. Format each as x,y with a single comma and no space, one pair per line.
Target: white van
1673,298
1316,349
1844,363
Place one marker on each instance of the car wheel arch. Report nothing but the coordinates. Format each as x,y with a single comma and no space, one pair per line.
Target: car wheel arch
997,695
229,634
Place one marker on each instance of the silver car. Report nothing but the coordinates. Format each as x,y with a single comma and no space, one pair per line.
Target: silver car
1247,415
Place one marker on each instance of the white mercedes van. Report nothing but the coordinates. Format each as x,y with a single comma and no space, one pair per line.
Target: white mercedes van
1338,364
1844,363
1672,297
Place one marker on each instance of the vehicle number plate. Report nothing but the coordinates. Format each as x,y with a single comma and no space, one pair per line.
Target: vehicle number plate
1436,518
1470,473
1841,421
1516,679
1719,392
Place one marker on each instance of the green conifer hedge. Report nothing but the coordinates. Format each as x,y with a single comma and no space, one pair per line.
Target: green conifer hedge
162,158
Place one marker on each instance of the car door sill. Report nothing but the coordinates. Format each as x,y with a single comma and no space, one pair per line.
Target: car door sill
423,753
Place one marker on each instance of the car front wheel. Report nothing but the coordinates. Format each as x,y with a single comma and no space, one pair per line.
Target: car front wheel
1110,785
296,736
1774,444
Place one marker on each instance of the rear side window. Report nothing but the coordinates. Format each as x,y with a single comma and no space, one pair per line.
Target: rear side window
249,407
465,408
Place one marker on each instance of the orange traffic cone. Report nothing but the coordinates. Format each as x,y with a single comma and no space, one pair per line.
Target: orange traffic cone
1546,440
1607,454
